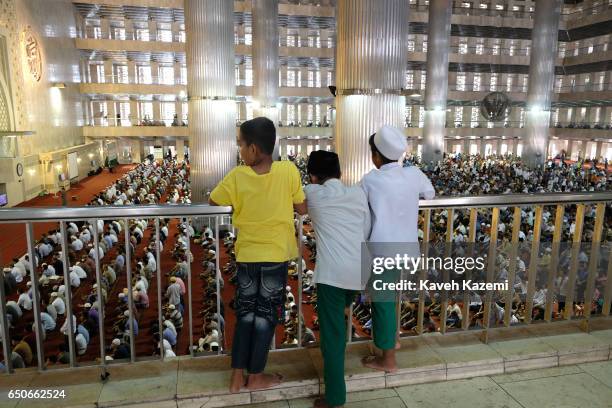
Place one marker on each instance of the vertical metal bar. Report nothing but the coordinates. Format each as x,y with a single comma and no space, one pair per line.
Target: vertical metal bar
516,228
554,261
300,276
594,259
218,283
131,305
571,282
533,263
349,325
94,226
38,329
190,309
162,351
423,271
608,290
6,339
490,272
465,323
450,215
68,294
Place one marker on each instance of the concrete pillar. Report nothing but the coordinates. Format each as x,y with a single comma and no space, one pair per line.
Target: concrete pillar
212,91
265,61
598,149
434,130
370,55
137,151
134,112
541,80
180,150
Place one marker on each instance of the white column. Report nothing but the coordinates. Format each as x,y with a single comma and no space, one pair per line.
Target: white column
370,63
180,150
541,80
265,61
437,80
212,91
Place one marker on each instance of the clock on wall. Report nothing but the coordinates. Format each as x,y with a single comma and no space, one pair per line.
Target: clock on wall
19,169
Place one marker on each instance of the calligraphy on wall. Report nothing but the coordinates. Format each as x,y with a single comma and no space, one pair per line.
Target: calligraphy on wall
32,53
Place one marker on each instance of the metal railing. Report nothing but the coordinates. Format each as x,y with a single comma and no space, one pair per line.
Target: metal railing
489,209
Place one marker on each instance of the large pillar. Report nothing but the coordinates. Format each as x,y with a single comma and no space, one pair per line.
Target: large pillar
438,38
370,67
212,91
265,61
541,79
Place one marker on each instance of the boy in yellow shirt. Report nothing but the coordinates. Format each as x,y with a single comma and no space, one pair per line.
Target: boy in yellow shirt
264,194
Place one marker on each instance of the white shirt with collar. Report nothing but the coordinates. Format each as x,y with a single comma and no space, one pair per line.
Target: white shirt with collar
341,221
393,192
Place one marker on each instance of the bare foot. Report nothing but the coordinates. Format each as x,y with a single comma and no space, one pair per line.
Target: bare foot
237,381
398,345
379,363
321,403
263,381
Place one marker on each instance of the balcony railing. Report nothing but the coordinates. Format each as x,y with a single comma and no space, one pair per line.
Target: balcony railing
585,283
138,80
89,34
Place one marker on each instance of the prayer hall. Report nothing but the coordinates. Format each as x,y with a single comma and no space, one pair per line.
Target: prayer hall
305,203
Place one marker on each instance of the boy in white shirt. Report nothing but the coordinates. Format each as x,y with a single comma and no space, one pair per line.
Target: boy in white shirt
341,219
393,193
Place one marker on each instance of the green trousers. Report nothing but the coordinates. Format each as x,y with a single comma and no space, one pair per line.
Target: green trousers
384,311
331,303
384,324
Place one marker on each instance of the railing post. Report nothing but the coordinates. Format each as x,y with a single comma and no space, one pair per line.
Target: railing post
38,329
533,263
593,264
448,242
554,261
300,236
189,307
465,322
516,227
218,285
571,282
4,327
128,269
160,322
490,274
68,294
100,299
423,272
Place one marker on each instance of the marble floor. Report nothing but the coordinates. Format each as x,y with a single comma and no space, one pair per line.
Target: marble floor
527,366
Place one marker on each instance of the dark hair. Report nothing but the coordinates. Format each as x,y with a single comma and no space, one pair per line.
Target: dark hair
260,132
375,150
324,165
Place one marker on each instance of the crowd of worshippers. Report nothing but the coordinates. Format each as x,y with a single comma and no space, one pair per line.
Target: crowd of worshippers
149,182
460,175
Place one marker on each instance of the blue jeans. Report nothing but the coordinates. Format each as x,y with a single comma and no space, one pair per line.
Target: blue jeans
260,301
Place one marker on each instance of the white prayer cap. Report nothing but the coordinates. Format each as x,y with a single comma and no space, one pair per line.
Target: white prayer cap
126,313
87,305
390,142
116,342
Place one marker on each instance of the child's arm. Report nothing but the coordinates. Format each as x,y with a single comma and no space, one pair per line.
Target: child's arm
301,208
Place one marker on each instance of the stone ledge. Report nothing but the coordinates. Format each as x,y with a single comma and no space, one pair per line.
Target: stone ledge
202,382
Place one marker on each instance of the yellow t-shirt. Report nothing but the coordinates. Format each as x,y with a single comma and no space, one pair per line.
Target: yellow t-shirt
263,210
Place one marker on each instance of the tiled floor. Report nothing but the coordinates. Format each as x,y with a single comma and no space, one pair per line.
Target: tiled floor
435,371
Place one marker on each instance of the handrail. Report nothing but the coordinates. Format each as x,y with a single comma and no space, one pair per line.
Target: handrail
35,214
